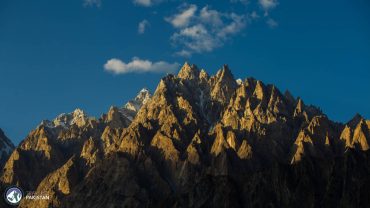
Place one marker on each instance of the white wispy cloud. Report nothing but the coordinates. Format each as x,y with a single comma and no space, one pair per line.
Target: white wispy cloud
145,3
268,4
237,23
205,30
91,3
137,65
183,18
183,53
195,39
254,15
210,16
142,26
272,23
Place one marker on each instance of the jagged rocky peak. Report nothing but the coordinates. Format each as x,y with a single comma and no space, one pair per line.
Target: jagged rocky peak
355,120
356,133
319,125
223,85
6,147
277,102
299,107
116,119
122,117
239,81
290,98
225,76
142,98
77,117
203,75
132,107
188,71
259,90
165,83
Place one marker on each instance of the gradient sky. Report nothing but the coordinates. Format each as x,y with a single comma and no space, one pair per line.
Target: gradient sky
54,54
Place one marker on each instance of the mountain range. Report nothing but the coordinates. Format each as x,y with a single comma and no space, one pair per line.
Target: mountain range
198,141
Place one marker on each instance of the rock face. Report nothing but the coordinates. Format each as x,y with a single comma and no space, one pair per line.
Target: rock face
199,141
6,148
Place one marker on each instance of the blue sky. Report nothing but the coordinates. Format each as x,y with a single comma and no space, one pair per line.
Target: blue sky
58,55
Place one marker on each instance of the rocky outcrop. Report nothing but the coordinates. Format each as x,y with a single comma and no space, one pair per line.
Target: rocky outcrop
199,141
6,148
356,133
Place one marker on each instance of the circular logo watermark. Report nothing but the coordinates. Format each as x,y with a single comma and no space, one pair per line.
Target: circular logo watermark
13,195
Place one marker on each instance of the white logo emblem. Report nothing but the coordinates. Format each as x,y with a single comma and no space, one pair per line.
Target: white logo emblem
13,195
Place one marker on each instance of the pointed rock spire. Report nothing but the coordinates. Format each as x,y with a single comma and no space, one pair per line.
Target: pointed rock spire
327,140
239,81
141,98
259,90
220,144
77,117
245,150
223,85
116,119
299,107
361,136
355,120
290,98
356,133
225,75
188,72
203,75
